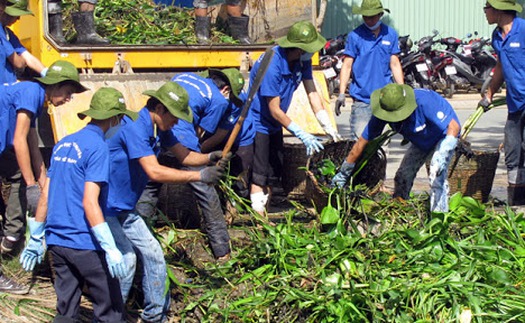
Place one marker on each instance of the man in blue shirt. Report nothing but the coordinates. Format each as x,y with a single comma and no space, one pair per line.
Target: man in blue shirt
371,60
210,94
425,119
82,248
290,66
20,106
508,40
133,157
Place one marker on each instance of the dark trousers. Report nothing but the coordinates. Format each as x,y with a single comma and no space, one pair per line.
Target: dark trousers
73,268
13,222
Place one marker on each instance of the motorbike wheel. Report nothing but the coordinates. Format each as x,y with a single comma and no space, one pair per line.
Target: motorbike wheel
331,87
449,90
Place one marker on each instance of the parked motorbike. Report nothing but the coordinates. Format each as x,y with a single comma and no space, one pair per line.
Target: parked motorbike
473,64
331,62
414,64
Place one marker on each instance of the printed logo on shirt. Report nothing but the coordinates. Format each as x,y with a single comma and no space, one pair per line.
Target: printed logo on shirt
386,42
440,115
515,45
66,159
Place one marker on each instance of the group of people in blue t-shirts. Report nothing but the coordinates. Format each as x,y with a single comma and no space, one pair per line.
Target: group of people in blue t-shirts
88,209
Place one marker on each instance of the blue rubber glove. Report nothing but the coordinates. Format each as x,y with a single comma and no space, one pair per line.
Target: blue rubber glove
313,145
445,151
341,178
34,250
114,257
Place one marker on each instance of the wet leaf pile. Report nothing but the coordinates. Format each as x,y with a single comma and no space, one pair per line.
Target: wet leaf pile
141,22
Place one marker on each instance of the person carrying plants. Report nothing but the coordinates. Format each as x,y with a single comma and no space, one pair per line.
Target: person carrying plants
81,246
508,41
210,94
133,162
290,65
83,20
237,22
20,106
370,58
428,122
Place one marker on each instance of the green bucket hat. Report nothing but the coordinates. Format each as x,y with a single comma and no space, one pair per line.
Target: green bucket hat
62,71
369,8
17,8
107,102
393,103
175,98
235,80
303,35
505,5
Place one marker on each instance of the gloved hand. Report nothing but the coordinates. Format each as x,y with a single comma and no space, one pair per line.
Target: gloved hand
211,174
339,102
343,175
313,145
114,258
486,104
444,151
34,250
324,121
217,159
32,196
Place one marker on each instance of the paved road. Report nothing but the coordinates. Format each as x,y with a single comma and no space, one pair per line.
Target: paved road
488,133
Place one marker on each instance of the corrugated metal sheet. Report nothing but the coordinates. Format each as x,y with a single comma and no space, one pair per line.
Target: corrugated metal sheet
416,18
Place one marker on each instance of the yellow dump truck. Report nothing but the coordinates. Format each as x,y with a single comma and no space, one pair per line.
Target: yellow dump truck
135,68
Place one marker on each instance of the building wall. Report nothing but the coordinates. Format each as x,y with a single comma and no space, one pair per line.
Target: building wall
416,18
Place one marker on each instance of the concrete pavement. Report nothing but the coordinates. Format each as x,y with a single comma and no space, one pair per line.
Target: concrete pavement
486,134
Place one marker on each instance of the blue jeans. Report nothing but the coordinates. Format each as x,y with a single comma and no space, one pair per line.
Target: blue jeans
515,148
133,238
359,117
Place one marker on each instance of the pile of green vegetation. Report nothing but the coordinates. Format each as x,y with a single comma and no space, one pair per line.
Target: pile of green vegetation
141,22
369,260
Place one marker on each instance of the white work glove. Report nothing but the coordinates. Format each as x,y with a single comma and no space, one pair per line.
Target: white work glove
313,145
324,121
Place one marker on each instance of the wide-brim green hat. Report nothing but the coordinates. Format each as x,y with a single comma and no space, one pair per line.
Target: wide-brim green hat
303,35
235,80
62,71
17,8
505,5
369,8
175,98
393,103
107,102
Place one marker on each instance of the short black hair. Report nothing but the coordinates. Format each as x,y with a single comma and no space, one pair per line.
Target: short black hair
152,103
219,80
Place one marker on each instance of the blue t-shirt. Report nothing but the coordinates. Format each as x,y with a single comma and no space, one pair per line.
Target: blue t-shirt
511,54
134,140
9,44
425,127
15,97
371,67
280,80
247,133
207,104
78,158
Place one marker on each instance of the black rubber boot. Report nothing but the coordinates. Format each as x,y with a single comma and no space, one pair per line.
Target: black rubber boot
55,28
84,22
516,195
202,29
239,28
